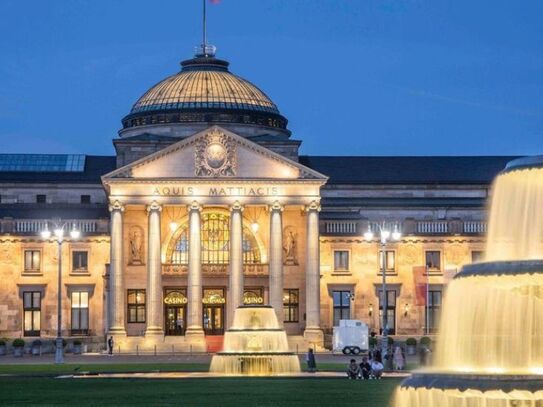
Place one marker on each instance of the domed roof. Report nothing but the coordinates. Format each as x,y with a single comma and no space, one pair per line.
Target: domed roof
205,91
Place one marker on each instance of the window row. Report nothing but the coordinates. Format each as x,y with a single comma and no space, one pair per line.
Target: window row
33,261
136,301
343,299
387,260
79,321
42,198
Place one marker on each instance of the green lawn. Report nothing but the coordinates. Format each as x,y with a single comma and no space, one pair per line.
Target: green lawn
246,392
69,368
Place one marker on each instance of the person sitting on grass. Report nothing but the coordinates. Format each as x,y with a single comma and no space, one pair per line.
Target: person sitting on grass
365,368
353,371
376,369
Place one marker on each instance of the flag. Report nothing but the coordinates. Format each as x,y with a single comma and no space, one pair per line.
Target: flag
214,1
421,281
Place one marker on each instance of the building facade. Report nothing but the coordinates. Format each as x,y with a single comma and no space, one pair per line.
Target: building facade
207,205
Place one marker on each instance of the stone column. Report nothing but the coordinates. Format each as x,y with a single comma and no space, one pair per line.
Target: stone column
154,272
276,260
313,333
116,270
236,262
194,332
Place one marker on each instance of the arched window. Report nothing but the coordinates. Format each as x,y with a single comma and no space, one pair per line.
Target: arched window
215,241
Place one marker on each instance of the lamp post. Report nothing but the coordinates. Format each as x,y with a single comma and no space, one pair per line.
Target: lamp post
384,234
58,237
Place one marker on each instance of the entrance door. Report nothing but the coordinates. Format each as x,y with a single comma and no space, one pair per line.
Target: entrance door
175,320
214,319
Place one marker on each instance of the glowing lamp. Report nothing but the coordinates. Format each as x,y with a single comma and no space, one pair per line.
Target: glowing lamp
173,226
74,233
368,235
46,233
254,227
59,233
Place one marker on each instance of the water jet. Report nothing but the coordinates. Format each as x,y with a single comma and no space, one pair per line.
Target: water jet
490,347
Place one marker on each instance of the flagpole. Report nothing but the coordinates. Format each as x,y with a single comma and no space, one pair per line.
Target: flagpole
204,29
426,302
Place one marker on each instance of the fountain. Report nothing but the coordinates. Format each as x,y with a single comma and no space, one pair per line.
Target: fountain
490,347
255,345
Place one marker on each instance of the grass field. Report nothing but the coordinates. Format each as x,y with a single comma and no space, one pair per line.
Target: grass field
246,392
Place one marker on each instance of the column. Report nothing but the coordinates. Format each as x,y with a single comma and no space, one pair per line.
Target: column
154,272
194,290
276,260
116,278
236,261
313,333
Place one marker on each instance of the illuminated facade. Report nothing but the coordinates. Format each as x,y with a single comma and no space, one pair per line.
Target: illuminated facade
207,205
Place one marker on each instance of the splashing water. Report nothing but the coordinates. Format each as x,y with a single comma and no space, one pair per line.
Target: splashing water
490,347
255,345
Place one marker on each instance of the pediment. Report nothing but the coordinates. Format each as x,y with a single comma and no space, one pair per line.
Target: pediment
215,153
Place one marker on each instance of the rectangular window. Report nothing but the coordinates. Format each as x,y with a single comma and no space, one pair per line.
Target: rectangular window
342,306
341,260
136,306
477,256
41,199
80,313
387,262
433,261
291,304
32,313
85,199
80,261
391,311
32,260
434,309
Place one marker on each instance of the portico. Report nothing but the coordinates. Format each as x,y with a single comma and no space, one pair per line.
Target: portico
206,218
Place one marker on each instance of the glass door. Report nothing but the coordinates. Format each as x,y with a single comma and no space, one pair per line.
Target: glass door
175,321
214,319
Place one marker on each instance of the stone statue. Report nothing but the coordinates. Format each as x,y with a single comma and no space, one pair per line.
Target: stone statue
136,245
290,246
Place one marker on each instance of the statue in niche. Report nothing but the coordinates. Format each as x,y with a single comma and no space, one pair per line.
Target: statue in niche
290,246
135,236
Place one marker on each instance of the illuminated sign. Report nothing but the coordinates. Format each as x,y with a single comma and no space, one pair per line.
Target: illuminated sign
213,297
252,298
175,298
216,191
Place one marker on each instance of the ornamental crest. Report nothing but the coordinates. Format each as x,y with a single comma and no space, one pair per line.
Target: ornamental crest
215,155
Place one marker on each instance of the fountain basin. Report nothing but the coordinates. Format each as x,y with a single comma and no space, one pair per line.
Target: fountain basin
481,382
499,268
461,390
255,345
521,163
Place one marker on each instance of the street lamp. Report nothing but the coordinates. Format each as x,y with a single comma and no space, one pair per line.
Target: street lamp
384,233
58,237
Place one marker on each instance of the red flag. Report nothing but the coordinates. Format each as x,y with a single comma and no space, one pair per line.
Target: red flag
214,1
421,280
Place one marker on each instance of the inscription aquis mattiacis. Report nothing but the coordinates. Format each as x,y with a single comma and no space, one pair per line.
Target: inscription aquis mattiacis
216,191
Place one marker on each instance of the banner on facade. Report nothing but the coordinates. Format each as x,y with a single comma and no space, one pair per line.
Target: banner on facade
421,282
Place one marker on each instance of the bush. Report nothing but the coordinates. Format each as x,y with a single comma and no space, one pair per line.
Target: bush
411,342
77,342
425,341
18,343
390,340
373,341
36,343
2,342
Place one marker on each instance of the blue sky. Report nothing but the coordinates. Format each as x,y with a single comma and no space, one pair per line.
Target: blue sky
354,77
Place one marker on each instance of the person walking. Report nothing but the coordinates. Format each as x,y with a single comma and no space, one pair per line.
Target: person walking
311,362
110,344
